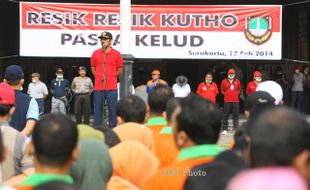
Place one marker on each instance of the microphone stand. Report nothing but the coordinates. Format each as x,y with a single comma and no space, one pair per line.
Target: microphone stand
104,81
104,67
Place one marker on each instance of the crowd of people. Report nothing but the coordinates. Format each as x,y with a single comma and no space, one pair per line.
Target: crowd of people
168,142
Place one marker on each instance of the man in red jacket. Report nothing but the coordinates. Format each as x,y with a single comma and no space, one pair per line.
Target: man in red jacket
208,89
257,76
231,88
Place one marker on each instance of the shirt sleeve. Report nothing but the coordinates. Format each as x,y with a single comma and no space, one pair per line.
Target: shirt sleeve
93,60
188,89
45,91
120,61
33,110
91,86
248,89
23,159
73,85
28,91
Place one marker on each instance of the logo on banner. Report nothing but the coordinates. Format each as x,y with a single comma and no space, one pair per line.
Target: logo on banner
258,29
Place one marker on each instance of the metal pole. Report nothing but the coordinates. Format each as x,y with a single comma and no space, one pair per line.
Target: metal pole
125,38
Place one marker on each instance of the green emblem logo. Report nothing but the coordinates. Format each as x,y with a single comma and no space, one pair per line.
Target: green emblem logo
258,29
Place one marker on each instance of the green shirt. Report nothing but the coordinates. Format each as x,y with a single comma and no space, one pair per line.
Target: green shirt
166,130
156,121
38,179
200,151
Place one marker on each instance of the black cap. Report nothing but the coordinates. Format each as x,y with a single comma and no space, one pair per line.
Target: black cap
258,97
106,35
82,68
13,73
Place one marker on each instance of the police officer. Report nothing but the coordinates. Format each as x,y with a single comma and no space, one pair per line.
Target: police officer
82,87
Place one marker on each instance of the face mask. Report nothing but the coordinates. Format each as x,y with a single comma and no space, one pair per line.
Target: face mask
306,72
21,88
297,71
208,81
60,76
231,76
258,79
34,81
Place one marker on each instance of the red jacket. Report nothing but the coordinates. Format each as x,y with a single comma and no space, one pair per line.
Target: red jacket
208,91
251,88
231,90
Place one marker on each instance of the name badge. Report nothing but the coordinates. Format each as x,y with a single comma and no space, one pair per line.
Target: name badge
231,87
204,88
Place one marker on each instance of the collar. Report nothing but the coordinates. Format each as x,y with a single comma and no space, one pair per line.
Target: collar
39,178
57,79
166,130
233,80
198,151
4,123
156,81
156,121
107,52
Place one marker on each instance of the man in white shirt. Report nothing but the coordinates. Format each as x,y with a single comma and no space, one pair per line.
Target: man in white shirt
38,90
181,88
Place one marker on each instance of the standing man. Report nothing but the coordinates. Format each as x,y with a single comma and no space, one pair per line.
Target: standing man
257,79
208,89
231,88
155,81
38,90
181,88
106,65
26,111
306,95
59,89
82,87
297,88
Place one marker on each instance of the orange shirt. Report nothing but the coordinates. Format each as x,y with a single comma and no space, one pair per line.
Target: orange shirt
156,124
175,175
208,91
166,150
136,131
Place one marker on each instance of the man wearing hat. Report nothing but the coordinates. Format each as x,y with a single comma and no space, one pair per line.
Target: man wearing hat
17,163
257,79
155,81
181,88
297,88
106,65
26,110
231,88
82,87
37,90
59,89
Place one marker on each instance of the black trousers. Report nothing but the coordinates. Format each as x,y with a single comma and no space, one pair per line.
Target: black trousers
82,107
228,108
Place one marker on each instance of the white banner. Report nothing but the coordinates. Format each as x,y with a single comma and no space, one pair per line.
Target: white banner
176,32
